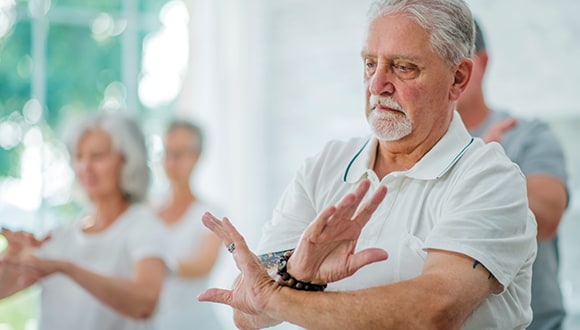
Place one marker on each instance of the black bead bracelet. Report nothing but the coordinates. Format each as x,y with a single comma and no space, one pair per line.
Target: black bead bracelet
285,279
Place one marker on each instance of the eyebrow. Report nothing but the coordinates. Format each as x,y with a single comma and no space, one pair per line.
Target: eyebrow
392,58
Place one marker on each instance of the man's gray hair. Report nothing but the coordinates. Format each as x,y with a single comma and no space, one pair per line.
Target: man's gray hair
449,21
126,138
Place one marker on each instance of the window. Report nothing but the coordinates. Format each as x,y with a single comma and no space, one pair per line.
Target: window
59,60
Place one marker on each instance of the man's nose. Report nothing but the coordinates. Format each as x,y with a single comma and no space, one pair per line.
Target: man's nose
382,81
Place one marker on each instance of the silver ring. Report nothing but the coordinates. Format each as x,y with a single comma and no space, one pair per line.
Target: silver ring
231,247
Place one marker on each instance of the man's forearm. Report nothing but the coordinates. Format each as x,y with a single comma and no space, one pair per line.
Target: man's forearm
449,290
392,306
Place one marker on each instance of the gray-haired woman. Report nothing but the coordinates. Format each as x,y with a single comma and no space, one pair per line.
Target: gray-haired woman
106,271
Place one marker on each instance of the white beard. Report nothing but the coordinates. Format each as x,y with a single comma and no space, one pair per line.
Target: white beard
388,126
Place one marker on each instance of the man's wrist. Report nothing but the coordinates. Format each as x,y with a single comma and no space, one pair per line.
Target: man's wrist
253,322
285,279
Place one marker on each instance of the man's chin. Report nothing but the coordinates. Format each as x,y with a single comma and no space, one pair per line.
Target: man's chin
389,134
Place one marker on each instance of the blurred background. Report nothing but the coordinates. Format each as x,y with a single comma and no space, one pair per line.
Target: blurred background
270,81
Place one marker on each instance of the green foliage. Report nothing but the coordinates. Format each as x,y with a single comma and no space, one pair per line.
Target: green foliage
18,309
10,162
78,69
105,5
15,86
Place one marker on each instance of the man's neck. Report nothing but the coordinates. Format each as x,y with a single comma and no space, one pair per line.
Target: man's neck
398,156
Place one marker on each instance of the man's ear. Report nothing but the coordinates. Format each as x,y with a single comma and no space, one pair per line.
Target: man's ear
462,75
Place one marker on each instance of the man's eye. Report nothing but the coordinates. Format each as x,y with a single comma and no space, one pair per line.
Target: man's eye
370,68
405,71
403,67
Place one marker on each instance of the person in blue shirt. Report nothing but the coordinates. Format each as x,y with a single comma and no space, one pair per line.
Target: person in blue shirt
534,147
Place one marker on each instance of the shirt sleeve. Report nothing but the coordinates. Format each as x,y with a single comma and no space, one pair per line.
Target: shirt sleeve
148,237
290,217
293,213
536,150
485,216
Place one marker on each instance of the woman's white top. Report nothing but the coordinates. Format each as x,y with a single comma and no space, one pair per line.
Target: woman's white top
178,307
136,235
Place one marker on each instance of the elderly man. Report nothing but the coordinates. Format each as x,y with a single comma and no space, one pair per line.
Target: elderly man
455,221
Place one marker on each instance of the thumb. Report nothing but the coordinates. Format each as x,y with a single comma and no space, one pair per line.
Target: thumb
367,257
44,240
216,295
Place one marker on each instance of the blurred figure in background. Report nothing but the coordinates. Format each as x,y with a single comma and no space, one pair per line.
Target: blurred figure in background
532,145
192,249
105,271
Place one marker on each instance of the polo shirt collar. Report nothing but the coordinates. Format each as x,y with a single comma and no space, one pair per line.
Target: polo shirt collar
434,164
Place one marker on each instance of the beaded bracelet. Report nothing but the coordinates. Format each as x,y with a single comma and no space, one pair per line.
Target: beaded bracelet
285,279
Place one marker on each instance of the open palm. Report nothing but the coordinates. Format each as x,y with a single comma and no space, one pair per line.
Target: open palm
326,251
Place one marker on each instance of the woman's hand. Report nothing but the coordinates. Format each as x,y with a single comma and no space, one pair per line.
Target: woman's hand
13,275
39,266
18,265
32,268
18,241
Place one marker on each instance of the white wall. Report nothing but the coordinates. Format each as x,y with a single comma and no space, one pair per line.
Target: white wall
534,50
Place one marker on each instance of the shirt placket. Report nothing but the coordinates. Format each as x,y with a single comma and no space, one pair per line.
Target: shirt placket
374,228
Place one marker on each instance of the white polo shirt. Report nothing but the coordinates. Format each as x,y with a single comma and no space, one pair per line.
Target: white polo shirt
462,196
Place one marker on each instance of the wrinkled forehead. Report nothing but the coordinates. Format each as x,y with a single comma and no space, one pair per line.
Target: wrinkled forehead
397,35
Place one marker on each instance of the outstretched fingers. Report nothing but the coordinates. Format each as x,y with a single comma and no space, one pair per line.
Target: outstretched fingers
229,235
346,208
216,226
248,291
235,238
246,261
369,207
317,226
234,242
23,238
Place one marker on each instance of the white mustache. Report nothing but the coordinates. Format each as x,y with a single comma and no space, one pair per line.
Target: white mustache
386,102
